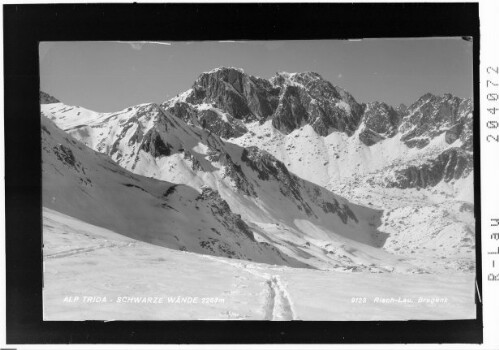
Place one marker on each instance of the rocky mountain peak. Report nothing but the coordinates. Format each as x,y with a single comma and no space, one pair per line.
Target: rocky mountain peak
151,107
224,70
225,99
307,98
426,97
46,98
303,78
243,96
227,96
376,105
402,109
433,115
380,122
143,114
228,75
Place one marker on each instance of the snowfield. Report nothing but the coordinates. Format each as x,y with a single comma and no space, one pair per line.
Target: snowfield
112,277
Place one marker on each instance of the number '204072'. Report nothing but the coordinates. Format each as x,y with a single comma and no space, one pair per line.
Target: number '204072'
492,98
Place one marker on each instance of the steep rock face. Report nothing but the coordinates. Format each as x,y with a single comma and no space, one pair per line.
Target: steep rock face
402,109
243,96
211,119
464,125
233,171
225,97
183,111
221,210
46,98
154,144
308,98
354,108
332,205
432,116
380,122
290,114
452,164
268,167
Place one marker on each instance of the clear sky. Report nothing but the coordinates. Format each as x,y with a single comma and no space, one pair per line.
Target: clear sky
109,76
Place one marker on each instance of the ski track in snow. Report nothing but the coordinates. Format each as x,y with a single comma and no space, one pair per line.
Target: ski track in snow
278,306
281,303
78,251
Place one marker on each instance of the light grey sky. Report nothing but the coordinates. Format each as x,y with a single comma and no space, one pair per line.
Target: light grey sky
109,76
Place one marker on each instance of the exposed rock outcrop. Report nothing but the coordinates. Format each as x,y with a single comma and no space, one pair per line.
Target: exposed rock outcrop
451,164
154,144
46,98
242,96
380,121
221,210
222,125
432,116
308,98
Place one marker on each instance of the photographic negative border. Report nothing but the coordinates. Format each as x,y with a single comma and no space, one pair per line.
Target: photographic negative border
26,25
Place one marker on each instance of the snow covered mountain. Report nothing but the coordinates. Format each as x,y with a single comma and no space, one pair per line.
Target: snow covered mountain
299,218
231,102
419,158
401,178
89,186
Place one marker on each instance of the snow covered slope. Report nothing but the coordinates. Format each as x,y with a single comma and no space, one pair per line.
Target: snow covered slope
89,186
302,219
112,277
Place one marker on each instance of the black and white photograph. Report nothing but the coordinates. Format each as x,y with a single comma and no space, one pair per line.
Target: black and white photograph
249,174
278,180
